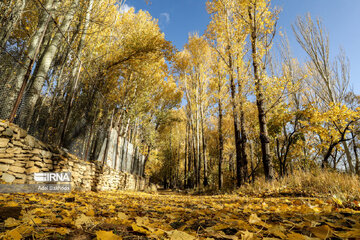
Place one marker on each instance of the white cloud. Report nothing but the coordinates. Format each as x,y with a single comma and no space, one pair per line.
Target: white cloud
166,16
125,8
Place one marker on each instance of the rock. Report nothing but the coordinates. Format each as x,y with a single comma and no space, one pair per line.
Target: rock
46,154
8,161
36,151
47,161
21,159
4,167
2,129
30,141
16,169
49,165
7,178
19,181
4,142
18,143
6,155
29,164
20,176
27,148
40,144
36,158
8,132
19,163
39,164
14,150
32,170
62,152
23,155
21,133
17,137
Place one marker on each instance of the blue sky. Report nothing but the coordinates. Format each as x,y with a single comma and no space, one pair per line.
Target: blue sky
178,18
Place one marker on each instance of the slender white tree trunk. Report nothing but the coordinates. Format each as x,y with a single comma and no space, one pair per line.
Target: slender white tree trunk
8,25
44,67
15,85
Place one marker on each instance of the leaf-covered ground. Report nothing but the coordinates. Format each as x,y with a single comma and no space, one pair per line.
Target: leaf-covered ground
134,215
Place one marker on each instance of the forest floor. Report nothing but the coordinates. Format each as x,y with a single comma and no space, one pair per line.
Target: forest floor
139,215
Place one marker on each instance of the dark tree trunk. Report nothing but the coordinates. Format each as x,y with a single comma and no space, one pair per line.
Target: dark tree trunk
236,125
243,140
237,135
264,136
221,143
205,182
357,163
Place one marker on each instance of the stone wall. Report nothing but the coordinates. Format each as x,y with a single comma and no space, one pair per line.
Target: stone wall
21,155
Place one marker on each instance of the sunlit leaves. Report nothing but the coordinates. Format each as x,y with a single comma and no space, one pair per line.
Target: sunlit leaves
330,125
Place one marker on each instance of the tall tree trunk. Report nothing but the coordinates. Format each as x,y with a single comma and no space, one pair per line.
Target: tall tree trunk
243,140
44,67
146,160
221,140
31,52
348,157
12,19
235,120
186,155
190,160
68,111
90,140
264,136
252,162
357,162
237,134
199,157
76,70
205,182
104,158
195,158
171,159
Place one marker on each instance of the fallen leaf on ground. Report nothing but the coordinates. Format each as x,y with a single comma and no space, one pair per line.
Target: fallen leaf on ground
107,235
179,235
11,222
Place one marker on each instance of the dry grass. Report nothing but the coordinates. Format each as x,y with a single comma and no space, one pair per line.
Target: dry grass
317,183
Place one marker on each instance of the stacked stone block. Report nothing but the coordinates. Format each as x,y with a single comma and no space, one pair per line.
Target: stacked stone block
22,155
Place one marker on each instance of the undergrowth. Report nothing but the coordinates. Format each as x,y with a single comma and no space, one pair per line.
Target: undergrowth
315,183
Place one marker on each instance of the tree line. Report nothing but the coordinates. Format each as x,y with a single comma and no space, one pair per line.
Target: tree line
233,105
252,109
72,70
